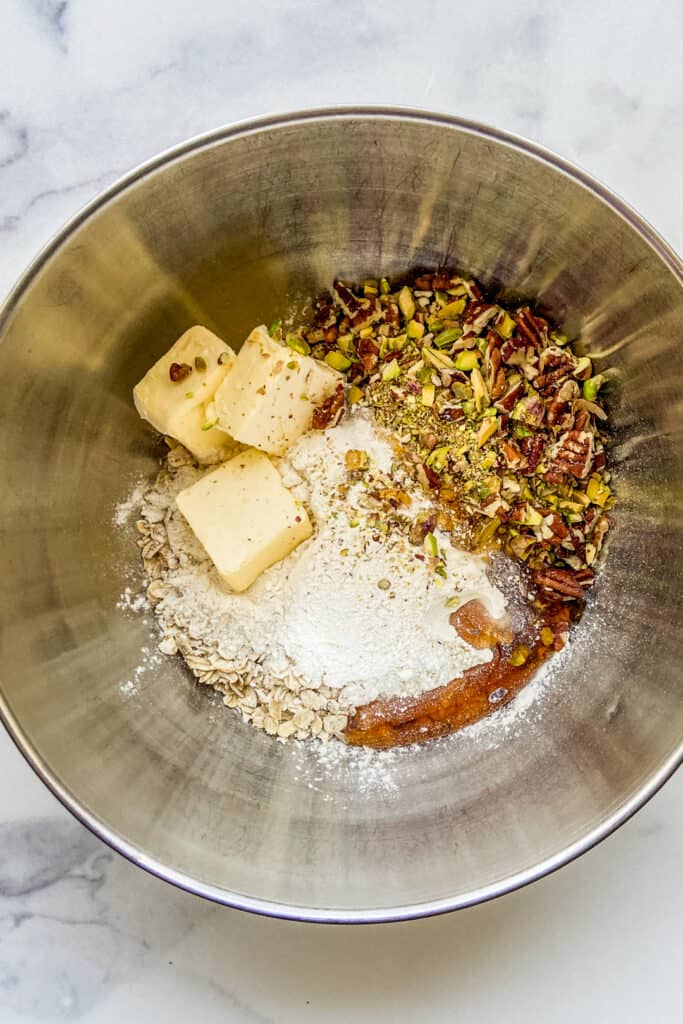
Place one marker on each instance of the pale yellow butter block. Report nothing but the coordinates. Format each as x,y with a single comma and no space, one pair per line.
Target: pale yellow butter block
269,397
245,517
177,408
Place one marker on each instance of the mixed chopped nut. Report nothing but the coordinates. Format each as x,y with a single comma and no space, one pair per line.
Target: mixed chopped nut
500,419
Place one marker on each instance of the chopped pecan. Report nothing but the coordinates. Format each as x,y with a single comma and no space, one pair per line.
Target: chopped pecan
330,412
534,328
496,380
532,449
348,301
554,528
324,314
599,531
549,382
441,281
573,454
516,351
368,353
451,414
478,315
510,398
392,315
512,455
560,410
424,282
568,583
555,358
370,312
582,420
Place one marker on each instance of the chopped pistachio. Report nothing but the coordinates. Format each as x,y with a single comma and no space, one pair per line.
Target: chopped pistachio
447,337
437,359
487,429
488,532
547,636
414,329
453,309
345,343
189,394
299,345
583,365
481,395
292,365
438,458
209,425
355,395
406,303
592,386
337,360
597,491
370,287
274,328
199,363
391,371
384,286
428,394
507,326
532,517
466,360
430,545
559,339
356,460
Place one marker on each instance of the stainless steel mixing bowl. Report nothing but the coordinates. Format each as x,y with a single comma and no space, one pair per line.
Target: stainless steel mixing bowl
226,230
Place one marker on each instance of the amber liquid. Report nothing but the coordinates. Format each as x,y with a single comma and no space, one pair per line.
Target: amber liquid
399,721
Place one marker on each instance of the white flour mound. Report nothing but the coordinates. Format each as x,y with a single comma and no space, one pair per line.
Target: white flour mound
366,616
351,610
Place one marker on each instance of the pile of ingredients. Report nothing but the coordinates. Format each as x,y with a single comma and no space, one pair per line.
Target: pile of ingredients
377,526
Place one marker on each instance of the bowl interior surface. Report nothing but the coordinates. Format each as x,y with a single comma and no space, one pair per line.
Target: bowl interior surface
228,232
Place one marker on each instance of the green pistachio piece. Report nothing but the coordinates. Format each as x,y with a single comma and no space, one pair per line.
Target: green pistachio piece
467,360
447,337
592,386
431,546
415,329
391,371
428,394
337,360
299,345
507,326
453,309
406,303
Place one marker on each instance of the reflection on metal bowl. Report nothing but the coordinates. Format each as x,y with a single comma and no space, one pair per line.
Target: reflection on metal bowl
224,231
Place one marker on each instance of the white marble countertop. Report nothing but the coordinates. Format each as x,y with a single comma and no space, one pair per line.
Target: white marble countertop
88,89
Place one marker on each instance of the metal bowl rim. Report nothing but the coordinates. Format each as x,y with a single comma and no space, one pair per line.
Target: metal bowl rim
68,799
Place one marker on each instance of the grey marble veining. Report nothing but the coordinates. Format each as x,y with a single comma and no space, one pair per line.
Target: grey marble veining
87,90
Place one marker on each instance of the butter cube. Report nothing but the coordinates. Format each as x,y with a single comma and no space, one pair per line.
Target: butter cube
245,517
178,407
271,392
